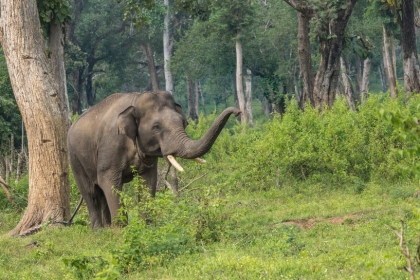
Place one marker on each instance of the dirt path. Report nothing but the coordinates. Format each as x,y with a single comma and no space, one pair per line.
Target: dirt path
309,223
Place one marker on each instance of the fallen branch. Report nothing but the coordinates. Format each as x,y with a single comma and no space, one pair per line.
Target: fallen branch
190,183
405,250
7,189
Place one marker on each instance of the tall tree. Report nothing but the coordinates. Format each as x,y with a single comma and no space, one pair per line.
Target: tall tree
330,19
167,49
98,39
409,47
37,83
389,63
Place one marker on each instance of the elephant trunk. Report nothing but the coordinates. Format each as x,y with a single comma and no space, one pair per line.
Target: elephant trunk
192,149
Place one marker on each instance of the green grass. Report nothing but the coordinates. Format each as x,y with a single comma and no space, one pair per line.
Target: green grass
255,242
304,196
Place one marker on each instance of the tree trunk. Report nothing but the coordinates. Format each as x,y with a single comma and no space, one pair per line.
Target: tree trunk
326,78
305,60
192,101
239,80
389,65
266,107
365,80
382,74
359,74
147,50
394,55
409,48
167,50
348,87
38,96
203,103
57,42
197,98
248,90
77,92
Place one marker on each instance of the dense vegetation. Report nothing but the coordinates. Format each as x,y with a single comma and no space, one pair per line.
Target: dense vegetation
300,192
303,195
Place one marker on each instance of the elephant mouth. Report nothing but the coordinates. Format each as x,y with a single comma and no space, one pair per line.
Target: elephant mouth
175,164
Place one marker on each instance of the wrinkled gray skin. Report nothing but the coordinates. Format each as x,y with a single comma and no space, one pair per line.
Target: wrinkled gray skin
127,130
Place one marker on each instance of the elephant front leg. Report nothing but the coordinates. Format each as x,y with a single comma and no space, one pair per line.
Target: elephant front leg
150,178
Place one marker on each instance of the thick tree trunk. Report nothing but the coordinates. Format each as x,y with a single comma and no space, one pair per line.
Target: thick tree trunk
167,50
248,90
147,50
365,80
192,101
239,80
305,60
388,64
38,96
409,48
348,87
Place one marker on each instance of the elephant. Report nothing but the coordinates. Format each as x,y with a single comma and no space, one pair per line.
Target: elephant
126,131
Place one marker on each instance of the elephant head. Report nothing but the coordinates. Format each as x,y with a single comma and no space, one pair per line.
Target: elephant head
157,125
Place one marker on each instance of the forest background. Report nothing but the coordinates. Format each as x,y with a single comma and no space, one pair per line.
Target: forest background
275,182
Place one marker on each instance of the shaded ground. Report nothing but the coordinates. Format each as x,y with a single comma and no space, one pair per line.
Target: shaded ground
309,223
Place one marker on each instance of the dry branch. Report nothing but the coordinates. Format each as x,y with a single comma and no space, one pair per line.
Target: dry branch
405,250
6,189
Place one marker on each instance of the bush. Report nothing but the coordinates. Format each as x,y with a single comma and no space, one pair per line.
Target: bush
335,147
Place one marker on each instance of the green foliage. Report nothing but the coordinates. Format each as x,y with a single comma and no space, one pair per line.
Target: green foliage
159,229
57,10
10,118
337,147
405,121
144,12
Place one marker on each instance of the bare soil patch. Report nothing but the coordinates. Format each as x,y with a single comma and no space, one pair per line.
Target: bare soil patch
309,223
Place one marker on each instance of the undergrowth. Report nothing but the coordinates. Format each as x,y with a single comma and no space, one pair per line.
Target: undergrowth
231,223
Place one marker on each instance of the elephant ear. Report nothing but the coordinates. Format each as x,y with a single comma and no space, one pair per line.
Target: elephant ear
178,108
127,123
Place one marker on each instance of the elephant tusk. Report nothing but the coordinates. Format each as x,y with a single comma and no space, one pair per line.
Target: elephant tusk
199,160
174,163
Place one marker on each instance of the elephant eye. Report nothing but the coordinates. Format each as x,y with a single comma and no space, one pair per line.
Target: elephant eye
156,127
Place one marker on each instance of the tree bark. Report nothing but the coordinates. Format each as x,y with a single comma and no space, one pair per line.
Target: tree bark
38,96
409,48
248,90
147,50
192,100
348,87
167,50
77,92
358,74
58,69
305,60
382,74
365,80
239,79
388,64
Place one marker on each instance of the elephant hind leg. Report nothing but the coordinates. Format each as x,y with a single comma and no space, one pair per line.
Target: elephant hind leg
94,197
98,208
